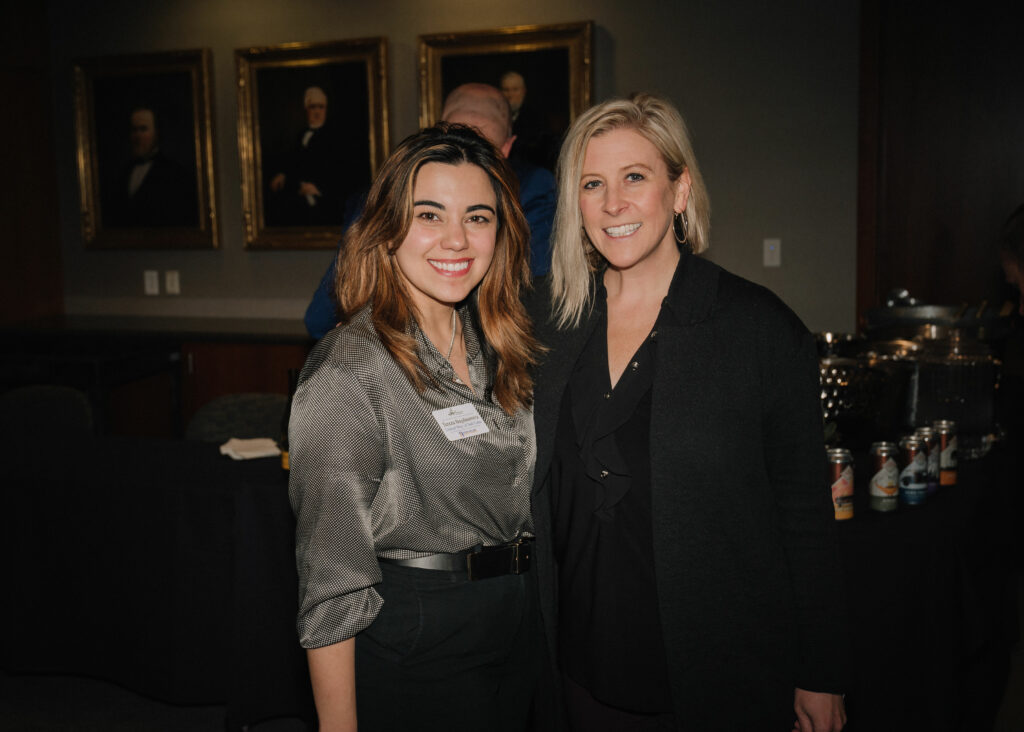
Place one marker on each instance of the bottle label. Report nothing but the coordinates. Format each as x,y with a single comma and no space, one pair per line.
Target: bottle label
884,487
933,469
886,481
947,474
914,481
842,494
949,453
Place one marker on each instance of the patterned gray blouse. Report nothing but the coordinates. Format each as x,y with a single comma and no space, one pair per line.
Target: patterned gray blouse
373,473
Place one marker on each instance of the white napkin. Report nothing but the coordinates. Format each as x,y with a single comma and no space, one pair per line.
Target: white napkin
259,447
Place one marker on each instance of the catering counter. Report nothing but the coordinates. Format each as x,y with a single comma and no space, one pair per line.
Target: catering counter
168,568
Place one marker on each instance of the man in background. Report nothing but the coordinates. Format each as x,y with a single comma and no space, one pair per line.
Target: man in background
536,140
310,189
483,107
152,190
1011,253
513,87
1010,395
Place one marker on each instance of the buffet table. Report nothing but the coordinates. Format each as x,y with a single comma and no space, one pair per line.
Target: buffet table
159,565
118,552
931,604
167,568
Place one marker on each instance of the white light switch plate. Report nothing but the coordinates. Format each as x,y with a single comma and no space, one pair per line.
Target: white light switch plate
151,282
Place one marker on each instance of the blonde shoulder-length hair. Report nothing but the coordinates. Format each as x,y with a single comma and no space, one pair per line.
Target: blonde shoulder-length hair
574,261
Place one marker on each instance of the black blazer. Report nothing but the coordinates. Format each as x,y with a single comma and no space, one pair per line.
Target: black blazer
745,555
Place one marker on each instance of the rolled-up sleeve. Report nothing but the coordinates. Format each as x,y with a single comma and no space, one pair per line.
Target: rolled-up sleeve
337,459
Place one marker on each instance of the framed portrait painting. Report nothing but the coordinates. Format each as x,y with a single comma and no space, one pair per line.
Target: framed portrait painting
312,131
144,147
545,72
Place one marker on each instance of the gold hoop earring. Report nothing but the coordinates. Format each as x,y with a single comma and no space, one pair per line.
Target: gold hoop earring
680,224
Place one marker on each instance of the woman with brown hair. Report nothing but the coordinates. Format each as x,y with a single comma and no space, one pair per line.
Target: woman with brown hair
685,554
412,453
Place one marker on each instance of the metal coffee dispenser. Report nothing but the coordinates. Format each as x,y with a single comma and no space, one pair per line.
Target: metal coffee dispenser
915,364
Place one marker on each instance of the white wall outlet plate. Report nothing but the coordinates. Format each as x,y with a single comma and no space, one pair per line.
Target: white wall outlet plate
172,282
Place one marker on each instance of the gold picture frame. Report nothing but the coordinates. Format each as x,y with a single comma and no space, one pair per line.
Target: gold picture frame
302,170
555,61
144,136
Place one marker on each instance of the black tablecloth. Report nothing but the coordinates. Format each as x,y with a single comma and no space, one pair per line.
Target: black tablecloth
160,565
169,569
931,604
117,556
269,676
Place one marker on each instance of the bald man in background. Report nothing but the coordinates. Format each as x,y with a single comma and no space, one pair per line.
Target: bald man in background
484,108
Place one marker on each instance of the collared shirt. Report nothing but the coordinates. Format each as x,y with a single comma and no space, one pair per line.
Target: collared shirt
373,474
139,172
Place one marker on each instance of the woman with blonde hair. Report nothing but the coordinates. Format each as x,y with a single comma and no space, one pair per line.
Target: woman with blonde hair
685,553
412,452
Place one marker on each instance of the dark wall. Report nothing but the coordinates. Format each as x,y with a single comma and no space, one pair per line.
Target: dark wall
769,92
942,149
30,273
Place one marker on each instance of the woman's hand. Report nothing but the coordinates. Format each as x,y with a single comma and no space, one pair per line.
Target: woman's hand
818,711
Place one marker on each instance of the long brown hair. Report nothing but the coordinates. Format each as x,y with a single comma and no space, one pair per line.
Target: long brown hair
367,273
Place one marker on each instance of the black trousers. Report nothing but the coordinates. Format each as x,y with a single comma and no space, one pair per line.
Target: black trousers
587,713
448,654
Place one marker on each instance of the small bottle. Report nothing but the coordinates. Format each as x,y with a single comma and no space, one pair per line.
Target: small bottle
945,434
913,471
884,485
282,440
932,447
840,476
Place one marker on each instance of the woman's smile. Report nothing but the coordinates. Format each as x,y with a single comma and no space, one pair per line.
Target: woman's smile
617,232
451,267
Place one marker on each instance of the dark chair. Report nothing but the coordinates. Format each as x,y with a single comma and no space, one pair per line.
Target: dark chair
237,415
44,411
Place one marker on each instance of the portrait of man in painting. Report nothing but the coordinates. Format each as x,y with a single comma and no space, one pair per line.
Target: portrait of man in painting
314,138
537,92
146,150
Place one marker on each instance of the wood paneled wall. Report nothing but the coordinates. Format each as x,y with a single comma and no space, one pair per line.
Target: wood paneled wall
941,148
30,271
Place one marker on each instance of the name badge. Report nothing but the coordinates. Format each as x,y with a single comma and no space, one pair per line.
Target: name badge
460,422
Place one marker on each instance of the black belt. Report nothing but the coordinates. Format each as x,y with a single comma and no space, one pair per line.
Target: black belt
479,563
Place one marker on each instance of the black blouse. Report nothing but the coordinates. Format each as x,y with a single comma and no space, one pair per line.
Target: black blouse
609,626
